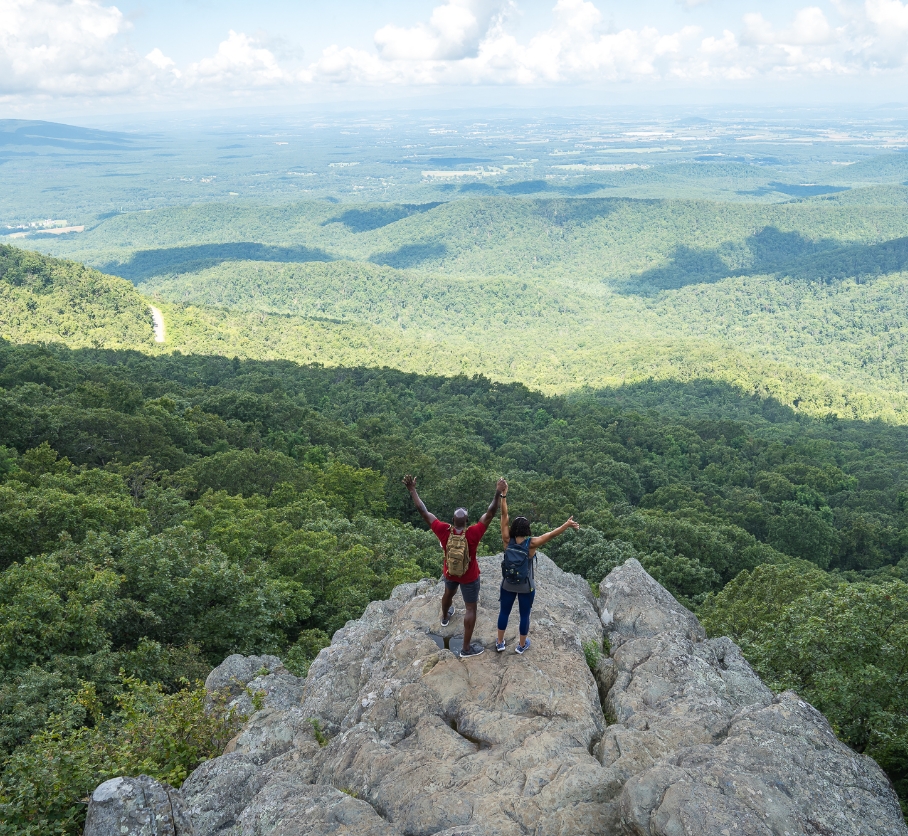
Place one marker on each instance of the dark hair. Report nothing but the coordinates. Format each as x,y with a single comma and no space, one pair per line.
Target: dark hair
520,527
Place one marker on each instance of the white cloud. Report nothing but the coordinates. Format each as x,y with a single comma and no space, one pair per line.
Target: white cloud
353,65
726,45
888,14
162,62
884,34
470,42
808,45
159,59
454,31
239,63
808,27
51,48
79,48
64,48
574,48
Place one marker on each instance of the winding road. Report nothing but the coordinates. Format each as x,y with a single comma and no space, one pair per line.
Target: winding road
160,332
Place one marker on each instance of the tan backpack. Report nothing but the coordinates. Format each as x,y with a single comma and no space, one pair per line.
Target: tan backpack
457,554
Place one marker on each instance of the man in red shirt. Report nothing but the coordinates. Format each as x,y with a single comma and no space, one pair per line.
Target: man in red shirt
468,582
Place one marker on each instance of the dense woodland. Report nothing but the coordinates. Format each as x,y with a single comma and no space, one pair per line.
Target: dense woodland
804,300
162,508
621,241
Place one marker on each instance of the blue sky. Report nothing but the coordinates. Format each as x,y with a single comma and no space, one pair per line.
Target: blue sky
98,56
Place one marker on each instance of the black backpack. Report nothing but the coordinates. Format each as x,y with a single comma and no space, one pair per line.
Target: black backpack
515,568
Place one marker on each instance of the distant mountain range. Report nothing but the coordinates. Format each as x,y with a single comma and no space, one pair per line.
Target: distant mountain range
57,135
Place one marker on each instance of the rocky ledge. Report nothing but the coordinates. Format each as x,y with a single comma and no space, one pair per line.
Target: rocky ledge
391,733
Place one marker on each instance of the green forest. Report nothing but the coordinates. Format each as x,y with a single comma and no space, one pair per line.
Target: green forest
732,416
803,301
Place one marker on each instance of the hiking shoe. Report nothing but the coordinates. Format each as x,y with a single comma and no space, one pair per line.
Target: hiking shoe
522,648
499,646
447,619
472,650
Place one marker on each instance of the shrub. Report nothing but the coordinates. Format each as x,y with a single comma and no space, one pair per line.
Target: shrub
45,781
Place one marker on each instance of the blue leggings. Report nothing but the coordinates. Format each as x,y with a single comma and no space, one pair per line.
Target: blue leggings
524,601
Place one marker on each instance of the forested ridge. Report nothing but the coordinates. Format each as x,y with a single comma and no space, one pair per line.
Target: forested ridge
803,301
586,239
50,300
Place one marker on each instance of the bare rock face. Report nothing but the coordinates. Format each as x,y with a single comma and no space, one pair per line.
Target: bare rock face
392,734
137,807
701,746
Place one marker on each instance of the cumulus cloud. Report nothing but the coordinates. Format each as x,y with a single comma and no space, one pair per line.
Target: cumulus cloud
469,41
345,65
162,62
454,31
884,34
240,62
80,47
809,26
888,15
64,48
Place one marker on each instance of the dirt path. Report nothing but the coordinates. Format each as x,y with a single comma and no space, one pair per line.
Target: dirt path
160,332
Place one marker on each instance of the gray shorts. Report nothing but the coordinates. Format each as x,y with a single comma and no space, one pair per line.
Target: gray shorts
470,591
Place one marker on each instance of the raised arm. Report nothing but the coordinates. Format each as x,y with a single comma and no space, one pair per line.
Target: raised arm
505,523
410,483
500,489
542,539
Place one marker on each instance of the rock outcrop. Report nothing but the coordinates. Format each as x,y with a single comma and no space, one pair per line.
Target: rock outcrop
137,807
392,734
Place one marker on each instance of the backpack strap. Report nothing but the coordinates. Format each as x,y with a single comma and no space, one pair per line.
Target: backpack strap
526,543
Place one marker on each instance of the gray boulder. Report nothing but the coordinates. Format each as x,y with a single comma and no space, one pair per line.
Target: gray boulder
137,807
238,678
701,747
391,733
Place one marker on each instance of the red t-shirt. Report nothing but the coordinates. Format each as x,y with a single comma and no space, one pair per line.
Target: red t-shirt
442,531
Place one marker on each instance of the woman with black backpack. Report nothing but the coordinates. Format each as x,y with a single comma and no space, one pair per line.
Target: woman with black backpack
517,569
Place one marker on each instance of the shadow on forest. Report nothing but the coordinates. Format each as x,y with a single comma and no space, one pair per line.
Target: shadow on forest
539,186
535,187
147,263
585,188
795,189
411,255
716,403
711,400
526,187
564,210
784,254
365,220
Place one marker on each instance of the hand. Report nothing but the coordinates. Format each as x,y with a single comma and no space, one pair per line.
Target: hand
502,487
572,524
409,482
